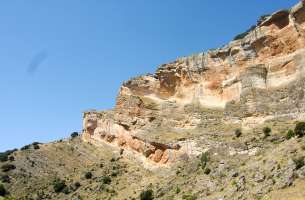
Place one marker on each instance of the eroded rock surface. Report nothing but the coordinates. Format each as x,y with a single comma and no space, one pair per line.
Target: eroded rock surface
250,80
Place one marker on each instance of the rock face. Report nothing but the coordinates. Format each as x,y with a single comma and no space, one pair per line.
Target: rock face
257,77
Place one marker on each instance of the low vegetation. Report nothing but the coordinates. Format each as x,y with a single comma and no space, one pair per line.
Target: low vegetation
237,133
244,34
299,162
59,185
74,134
299,129
189,196
7,167
147,195
3,191
290,134
88,175
204,158
106,179
266,131
4,156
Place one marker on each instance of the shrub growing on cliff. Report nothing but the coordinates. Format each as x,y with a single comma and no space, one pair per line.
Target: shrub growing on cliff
266,131
204,158
36,145
189,196
299,129
5,179
207,171
7,167
4,156
59,185
238,132
106,179
3,191
244,34
26,147
88,175
290,134
74,134
299,162
147,195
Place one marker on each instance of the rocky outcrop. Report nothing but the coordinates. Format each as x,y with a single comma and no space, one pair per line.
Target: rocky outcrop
255,77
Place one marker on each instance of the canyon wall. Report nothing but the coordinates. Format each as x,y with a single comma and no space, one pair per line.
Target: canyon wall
258,76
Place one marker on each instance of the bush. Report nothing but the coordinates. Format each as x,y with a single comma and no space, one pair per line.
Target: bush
244,34
147,195
299,162
66,190
36,145
26,147
207,171
106,179
7,167
290,134
88,175
238,133
189,197
4,156
3,191
204,159
299,129
77,184
178,190
11,158
59,185
266,131
74,134
5,179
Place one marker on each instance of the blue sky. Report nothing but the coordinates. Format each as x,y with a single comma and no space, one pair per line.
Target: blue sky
59,58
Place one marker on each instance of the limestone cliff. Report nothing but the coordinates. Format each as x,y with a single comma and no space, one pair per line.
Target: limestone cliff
257,77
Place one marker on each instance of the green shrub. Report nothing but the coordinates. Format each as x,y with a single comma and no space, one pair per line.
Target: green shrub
204,158
106,179
238,132
5,179
290,134
3,191
88,175
113,159
74,134
266,131
7,167
36,145
66,190
207,171
11,158
59,185
189,196
26,147
147,195
299,162
262,18
77,184
244,34
178,190
299,129
4,156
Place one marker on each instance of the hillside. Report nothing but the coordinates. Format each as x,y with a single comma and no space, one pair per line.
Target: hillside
218,125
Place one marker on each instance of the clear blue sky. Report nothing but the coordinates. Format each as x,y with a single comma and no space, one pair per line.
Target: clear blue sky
59,58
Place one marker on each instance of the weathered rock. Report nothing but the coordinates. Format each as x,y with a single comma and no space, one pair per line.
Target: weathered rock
252,79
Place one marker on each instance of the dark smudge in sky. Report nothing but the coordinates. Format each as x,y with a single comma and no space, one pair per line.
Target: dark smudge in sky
36,62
